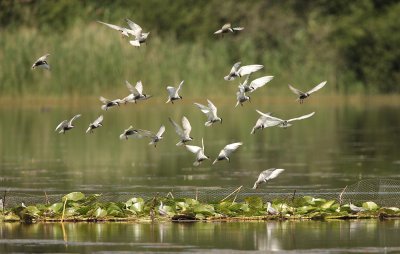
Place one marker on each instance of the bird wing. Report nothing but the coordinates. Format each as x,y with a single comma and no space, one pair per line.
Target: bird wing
139,87
186,125
218,31
228,149
247,69
179,88
43,58
73,118
104,100
61,125
160,131
301,117
193,149
137,30
257,83
145,133
171,91
212,107
202,144
98,120
296,91
203,108
270,174
235,67
130,87
115,27
238,28
270,120
178,129
317,87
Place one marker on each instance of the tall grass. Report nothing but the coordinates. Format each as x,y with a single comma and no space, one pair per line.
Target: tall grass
91,59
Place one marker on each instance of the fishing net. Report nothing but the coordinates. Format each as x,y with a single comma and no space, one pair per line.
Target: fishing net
384,192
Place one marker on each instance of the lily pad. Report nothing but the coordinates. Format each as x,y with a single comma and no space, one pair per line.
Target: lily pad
371,206
74,196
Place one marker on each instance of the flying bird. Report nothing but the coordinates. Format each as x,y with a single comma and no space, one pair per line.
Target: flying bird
42,63
130,132
109,103
184,131
226,152
239,71
136,92
199,152
66,125
241,96
124,31
261,122
140,36
227,28
155,137
267,175
210,111
96,124
274,121
256,83
304,95
173,93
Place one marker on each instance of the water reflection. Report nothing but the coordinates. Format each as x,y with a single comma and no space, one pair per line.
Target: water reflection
333,236
338,146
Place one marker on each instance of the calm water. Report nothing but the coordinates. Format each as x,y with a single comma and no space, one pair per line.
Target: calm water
345,141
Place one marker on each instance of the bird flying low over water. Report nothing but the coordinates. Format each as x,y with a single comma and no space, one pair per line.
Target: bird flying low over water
227,28
96,124
66,125
184,131
304,95
42,62
267,175
130,132
140,37
155,137
226,152
109,103
210,111
256,83
274,121
199,152
241,97
136,92
239,71
261,122
173,93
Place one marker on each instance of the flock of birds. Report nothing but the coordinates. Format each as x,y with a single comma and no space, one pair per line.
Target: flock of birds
136,94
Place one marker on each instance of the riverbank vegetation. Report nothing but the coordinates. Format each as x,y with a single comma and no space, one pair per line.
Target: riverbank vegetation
352,45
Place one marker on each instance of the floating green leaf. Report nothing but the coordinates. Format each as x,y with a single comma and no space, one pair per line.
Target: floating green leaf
100,213
56,207
371,206
74,196
327,204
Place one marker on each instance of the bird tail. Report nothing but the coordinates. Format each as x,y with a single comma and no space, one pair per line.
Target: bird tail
196,163
122,136
255,186
179,143
104,107
135,43
88,130
216,160
208,123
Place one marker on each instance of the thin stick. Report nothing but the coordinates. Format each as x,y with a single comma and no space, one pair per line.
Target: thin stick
65,237
170,194
340,196
294,194
233,192
65,203
197,192
4,200
237,194
46,198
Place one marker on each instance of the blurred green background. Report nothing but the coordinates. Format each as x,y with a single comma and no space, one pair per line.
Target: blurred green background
352,44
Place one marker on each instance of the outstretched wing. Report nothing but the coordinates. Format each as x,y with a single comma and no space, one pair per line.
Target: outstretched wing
137,30
257,83
171,91
193,149
73,118
130,87
317,87
228,149
115,27
212,107
104,100
186,126
179,87
235,67
247,69
203,108
237,28
160,131
139,87
178,129
301,117
61,125
270,174
43,58
296,91
98,120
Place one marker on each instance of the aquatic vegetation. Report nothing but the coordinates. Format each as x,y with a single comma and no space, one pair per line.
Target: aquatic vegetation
77,206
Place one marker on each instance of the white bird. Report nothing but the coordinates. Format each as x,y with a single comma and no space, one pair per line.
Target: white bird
199,151
42,62
161,210
355,208
274,121
267,175
256,83
155,137
304,95
140,37
96,124
66,125
226,152
228,28
173,93
210,111
260,124
124,31
109,103
130,132
239,71
271,210
184,131
136,92
241,97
